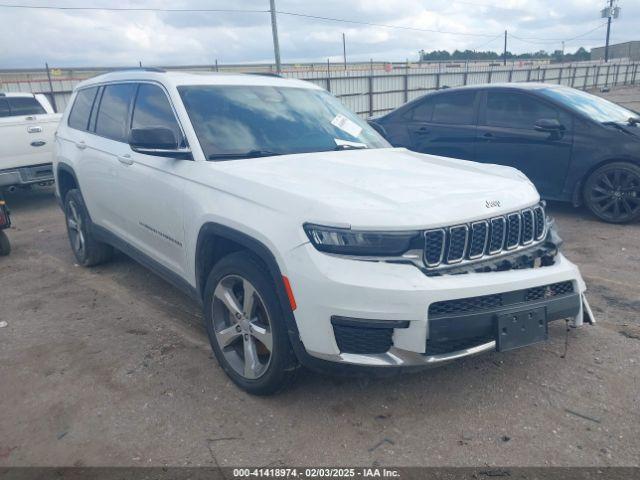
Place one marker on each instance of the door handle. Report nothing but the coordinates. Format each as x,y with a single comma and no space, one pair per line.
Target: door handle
423,131
81,145
488,136
38,143
35,129
125,159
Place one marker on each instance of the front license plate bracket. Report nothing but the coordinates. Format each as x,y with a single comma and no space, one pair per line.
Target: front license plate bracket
519,328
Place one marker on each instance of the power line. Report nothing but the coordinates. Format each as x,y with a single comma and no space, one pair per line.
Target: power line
384,25
135,9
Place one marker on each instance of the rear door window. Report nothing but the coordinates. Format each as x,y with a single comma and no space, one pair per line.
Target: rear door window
25,106
152,110
113,112
517,110
454,108
4,108
79,116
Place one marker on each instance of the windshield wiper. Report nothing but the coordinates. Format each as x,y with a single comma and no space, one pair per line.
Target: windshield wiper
346,146
249,154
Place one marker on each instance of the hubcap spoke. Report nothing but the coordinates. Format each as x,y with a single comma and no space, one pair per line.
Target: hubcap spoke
228,335
249,298
226,296
251,362
263,336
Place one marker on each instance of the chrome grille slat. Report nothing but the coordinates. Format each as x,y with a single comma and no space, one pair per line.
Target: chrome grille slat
479,237
514,227
457,248
472,242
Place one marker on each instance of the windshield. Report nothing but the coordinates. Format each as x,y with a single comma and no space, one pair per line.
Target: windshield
594,107
251,121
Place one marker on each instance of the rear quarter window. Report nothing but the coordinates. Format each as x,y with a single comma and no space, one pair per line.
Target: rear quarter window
4,108
25,106
79,116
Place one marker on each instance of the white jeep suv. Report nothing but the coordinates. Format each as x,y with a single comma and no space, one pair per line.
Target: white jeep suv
306,238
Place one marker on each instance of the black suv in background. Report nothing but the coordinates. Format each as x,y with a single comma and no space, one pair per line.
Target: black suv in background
572,145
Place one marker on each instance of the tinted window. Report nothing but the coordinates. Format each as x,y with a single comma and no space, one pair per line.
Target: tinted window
517,110
454,108
4,108
79,116
114,111
597,108
25,106
423,111
154,110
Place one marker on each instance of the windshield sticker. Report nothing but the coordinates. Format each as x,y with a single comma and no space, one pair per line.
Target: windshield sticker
347,143
346,125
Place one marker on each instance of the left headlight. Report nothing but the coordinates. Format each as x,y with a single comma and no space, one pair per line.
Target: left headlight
359,242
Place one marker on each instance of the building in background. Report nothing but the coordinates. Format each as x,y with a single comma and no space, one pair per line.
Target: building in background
630,50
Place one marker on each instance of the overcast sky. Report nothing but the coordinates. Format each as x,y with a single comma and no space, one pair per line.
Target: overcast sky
30,37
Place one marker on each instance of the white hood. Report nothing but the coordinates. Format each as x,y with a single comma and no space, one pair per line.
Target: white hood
381,188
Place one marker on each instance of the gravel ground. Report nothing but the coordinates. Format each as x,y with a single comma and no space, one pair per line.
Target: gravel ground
111,366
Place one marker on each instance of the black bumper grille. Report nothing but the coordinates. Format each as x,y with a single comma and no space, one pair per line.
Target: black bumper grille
362,339
470,305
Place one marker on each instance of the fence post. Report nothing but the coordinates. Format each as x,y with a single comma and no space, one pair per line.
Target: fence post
328,76
617,75
371,95
529,75
438,81
560,75
510,75
406,86
53,96
544,74
490,75
586,77
633,78
573,77
606,80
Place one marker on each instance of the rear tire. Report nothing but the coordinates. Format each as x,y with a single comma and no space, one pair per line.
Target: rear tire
5,246
87,250
246,326
612,192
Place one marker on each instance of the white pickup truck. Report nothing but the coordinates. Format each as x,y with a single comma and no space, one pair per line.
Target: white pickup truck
27,129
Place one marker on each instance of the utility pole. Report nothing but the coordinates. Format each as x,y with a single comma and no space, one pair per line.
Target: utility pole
606,47
344,50
505,48
610,12
274,31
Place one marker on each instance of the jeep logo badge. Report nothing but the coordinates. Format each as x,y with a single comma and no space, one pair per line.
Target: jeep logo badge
492,203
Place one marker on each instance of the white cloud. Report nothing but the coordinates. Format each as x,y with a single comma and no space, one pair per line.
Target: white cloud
28,38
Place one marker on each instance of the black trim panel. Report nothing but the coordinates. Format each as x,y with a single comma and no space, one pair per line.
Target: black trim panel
365,323
104,235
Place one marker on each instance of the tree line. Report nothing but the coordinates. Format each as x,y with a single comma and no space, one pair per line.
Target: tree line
556,56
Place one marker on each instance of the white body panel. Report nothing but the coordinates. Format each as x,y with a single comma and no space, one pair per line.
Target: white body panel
19,134
269,199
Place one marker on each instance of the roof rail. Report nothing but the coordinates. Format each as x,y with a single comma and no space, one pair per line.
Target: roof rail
139,69
264,74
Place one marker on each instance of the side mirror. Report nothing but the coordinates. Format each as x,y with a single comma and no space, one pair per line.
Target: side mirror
158,141
548,125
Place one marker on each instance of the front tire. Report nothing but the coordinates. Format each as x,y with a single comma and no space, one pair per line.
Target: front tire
246,326
87,250
5,246
612,192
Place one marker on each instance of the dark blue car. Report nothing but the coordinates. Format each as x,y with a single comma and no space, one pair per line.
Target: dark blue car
573,146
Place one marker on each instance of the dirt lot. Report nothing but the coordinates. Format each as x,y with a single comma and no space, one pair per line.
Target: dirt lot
110,366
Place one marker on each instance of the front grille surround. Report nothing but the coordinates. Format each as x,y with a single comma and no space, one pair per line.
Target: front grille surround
500,235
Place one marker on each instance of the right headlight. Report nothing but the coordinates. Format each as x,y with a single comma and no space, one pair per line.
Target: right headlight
345,241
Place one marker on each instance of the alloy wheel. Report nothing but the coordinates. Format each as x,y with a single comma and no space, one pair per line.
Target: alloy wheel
74,226
242,326
615,194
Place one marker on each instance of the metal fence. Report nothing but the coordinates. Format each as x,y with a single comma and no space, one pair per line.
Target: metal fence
367,88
